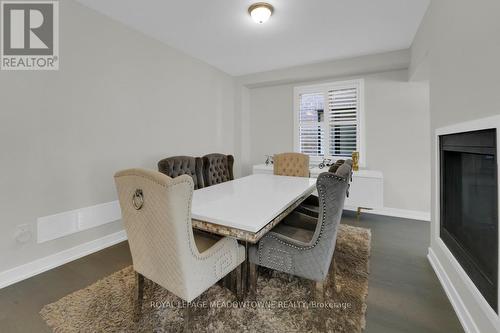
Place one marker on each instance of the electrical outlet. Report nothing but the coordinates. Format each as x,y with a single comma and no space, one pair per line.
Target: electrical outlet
24,233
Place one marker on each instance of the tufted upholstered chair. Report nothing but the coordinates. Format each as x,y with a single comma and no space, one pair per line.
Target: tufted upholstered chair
300,251
345,170
341,168
217,168
183,165
333,168
291,164
156,213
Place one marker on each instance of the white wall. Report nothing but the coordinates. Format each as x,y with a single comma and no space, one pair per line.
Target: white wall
119,100
461,40
397,132
419,52
397,138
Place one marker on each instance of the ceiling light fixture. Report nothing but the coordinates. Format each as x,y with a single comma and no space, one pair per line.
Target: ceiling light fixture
260,12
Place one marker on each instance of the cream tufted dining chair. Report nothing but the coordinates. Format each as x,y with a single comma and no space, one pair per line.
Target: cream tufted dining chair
291,164
156,213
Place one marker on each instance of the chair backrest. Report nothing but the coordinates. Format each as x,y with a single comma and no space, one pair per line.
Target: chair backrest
291,164
217,168
157,218
331,193
335,166
183,165
345,170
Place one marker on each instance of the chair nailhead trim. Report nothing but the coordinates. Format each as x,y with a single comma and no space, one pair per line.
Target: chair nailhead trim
304,248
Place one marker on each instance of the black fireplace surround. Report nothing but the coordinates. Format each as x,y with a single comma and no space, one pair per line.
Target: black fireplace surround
469,206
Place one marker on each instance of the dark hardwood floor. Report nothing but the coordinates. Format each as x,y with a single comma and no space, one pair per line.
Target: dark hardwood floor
404,293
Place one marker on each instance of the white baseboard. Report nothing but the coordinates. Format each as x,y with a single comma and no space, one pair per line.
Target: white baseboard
463,314
41,265
396,212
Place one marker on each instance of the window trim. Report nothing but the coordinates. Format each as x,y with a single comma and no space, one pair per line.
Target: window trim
324,87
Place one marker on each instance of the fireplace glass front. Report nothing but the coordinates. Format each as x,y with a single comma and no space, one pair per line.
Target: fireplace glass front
469,206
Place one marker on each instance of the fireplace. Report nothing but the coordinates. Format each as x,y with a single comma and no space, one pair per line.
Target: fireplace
469,206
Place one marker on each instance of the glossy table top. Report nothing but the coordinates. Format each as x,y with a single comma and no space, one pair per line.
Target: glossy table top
249,203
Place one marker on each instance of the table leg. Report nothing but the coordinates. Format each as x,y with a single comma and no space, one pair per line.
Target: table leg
252,281
245,271
239,291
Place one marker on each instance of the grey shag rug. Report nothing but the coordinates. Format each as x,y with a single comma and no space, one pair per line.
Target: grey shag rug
283,303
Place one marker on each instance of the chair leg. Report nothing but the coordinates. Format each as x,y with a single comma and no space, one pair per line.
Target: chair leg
226,281
334,274
139,294
319,289
253,275
233,280
239,286
187,318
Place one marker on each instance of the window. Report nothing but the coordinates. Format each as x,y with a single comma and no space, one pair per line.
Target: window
329,120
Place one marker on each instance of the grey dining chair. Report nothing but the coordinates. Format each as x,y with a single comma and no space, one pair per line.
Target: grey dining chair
341,168
298,250
217,168
183,165
333,168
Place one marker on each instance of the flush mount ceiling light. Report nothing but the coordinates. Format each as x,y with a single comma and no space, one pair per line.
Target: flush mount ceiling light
260,12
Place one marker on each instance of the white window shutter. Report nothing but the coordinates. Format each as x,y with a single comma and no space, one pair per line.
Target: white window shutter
343,121
311,124
329,120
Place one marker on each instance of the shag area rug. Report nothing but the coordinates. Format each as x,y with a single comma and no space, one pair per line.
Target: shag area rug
282,304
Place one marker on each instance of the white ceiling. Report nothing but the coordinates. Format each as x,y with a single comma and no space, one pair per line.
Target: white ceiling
221,33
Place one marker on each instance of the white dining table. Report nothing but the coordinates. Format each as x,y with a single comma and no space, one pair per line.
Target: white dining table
247,208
